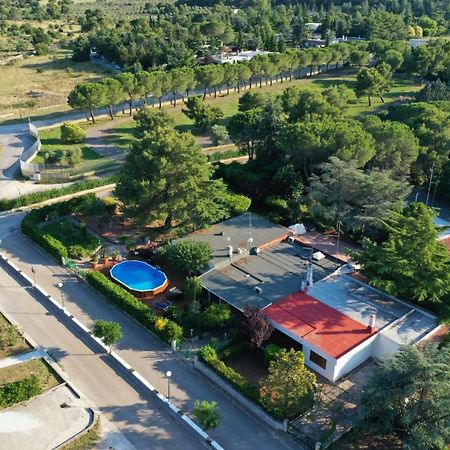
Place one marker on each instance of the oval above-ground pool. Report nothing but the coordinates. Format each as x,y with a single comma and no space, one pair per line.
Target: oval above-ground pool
139,276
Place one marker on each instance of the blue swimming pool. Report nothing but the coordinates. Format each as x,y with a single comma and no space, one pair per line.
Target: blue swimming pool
138,276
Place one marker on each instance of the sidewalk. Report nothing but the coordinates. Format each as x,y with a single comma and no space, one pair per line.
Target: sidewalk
23,357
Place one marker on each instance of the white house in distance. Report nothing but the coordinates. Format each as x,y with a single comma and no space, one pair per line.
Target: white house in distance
314,298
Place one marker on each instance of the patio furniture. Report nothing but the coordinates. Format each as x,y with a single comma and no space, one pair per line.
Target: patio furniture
163,306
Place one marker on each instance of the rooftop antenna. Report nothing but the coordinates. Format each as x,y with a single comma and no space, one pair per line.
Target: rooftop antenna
338,237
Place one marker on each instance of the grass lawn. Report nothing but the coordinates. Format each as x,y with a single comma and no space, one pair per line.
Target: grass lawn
90,159
19,345
229,103
71,234
53,76
47,377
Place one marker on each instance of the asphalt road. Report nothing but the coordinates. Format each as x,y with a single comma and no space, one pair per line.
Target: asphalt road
140,349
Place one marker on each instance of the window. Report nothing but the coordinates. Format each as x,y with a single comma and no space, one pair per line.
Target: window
317,359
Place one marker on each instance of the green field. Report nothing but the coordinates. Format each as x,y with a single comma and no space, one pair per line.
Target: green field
401,87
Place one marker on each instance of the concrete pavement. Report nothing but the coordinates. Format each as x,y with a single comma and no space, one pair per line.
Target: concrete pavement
131,411
140,349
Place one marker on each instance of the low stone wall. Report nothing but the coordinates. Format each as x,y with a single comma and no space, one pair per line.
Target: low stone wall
249,406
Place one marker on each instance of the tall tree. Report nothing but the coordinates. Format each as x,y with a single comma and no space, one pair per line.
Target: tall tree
207,415
411,263
113,93
87,97
409,395
109,332
372,82
288,388
358,199
131,87
165,177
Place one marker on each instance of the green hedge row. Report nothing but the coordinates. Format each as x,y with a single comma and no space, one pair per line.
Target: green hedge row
227,154
209,356
30,224
37,197
19,391
134,307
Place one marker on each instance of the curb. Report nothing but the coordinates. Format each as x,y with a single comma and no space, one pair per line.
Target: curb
185,420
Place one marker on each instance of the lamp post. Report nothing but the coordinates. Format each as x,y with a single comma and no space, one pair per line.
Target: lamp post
60,285
168,375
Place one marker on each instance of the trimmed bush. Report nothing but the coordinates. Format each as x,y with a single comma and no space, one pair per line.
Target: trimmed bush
134,307
72,134
236,204
218,134
19,391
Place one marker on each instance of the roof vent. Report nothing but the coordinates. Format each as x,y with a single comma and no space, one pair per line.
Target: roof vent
258,289
291,240
318,256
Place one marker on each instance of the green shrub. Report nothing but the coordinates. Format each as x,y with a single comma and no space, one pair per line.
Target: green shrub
218,134
277,205
236,204
188,255
131,305
72,134
76,251
19,391
207,353
216,315
226,154
270,352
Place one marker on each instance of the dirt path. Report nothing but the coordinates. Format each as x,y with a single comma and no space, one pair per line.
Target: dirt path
98,137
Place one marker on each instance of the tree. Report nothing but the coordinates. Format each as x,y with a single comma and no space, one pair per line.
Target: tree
202,114
209,76
166,178
255,326
189,256
344,193
146,81
313,142
109,332
72,134
218,135
411,263
434,91
287,390
192,290
147,119
207,415
87,97
251,100
409,395
243,73
216,315
131,87
396,146
372,82
113,93
244,130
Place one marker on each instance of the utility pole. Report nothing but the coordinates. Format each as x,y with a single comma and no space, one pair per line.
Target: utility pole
429,183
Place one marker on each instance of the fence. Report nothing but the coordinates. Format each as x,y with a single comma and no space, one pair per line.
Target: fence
40,172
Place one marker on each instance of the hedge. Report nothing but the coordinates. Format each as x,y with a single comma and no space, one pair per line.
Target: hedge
209,356
134,307
37,197
30,224
19,391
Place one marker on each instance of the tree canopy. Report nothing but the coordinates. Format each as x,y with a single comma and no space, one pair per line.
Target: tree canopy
411,263
409,395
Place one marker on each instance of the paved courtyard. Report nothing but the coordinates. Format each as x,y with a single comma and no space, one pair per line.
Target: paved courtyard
41,423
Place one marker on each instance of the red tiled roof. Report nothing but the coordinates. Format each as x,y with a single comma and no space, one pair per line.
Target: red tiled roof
446,242
317,323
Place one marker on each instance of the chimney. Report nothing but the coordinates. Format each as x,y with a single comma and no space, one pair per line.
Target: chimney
230,251
371,323
309,275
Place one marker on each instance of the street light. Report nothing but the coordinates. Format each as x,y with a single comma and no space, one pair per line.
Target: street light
168,375
60,285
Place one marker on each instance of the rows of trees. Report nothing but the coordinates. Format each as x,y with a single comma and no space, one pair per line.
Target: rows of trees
211,78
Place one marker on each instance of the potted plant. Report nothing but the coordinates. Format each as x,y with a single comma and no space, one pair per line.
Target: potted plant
105,256
115,255
94,261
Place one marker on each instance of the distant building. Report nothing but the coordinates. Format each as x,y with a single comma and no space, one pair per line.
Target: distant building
230,56
308,292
